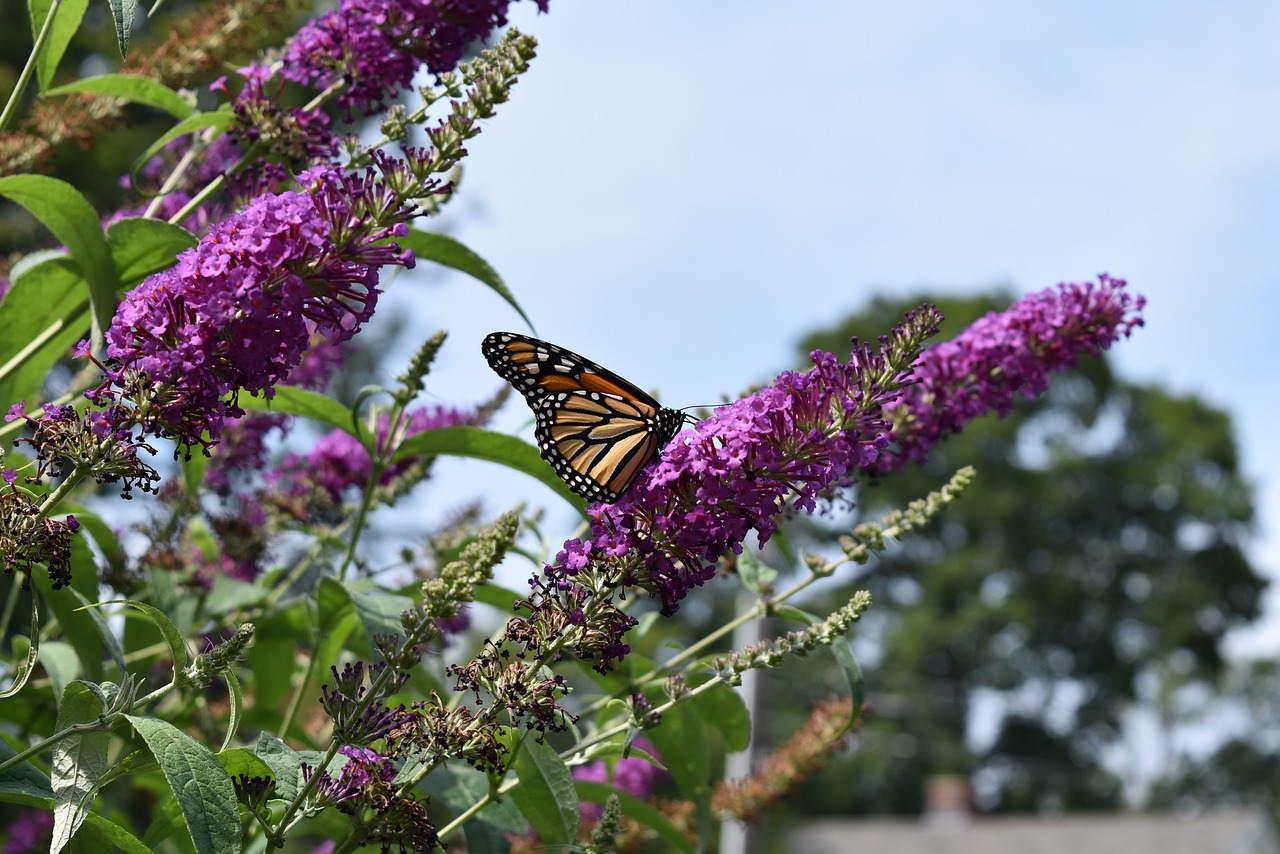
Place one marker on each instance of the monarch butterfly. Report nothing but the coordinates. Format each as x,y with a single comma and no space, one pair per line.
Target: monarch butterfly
593,427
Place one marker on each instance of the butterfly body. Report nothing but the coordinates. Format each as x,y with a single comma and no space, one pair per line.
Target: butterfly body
593,427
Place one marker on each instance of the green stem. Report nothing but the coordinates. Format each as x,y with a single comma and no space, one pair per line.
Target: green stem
296,703
172,181
11,601
604,735
45,743
212,187
250,156
727,629
53,499
27,70
380,461
362,516
53,329
376,690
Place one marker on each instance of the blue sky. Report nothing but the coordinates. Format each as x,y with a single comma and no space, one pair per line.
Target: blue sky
682,190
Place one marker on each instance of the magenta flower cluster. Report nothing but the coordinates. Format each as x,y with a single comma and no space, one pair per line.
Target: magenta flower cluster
339,462
376,46
28,832
1005,355
363,768
631,774
237,312
243,445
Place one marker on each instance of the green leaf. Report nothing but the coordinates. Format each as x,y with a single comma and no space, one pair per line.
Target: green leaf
122,12
756,575
110,833
70,14
33,653
47,301
193,470
485,838
137,762
61,663
24,783
684,745
228,595
462,786
273,657
723,710
379,612
502,598
236,714
844,658
451,253
97,529
337,609
177,647
546,794
634,808
140,247
790,612
64,211
843,651
308,404
201,786
283,761
92,631
88,633
166,823
487,445
79,760
239,760
133,88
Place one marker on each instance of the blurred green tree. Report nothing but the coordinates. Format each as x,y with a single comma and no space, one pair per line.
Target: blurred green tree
1245,770
1092,569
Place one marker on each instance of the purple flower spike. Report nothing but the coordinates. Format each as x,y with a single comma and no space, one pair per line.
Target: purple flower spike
377,46
783,447
1002,356
238,311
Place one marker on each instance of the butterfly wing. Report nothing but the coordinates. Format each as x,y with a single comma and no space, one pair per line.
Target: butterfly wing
593,427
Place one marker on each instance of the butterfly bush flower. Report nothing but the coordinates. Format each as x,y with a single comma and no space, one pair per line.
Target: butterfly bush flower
631,774
744,466
29,831
243,446
1004,355
298,135
359,717
377,46
339,462
29,538
237,312
786,445
365,789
